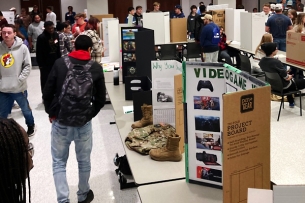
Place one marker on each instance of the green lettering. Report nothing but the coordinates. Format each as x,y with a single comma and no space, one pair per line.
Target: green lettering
227,74
197,72
244,84
212,73
220,73
231,76
235,80
240,82
253,86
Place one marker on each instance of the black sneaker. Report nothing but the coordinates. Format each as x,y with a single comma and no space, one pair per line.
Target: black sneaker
31,130
89,198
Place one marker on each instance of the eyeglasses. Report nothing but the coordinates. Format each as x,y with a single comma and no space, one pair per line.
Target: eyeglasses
9,33
31,149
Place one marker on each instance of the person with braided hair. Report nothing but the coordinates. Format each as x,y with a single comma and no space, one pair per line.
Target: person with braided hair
15,161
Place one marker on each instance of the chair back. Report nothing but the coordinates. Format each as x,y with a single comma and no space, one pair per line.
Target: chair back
168,52
245,64
275,81
193,50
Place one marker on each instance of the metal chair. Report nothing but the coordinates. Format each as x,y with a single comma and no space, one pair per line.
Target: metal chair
245,65
276,83
169,52
193,51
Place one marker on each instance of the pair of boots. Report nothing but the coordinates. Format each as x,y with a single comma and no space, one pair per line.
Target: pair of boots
170,152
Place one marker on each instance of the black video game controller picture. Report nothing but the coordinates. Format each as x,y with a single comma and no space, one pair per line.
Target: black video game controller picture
205,84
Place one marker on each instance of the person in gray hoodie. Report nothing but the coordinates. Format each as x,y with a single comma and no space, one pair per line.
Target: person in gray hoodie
15,67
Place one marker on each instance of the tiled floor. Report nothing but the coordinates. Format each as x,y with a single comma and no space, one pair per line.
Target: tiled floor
287,152
106,143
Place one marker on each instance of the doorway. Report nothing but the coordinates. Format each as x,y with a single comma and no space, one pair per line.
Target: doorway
42,5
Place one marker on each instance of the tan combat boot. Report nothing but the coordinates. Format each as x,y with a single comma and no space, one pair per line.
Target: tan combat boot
147,118
170,152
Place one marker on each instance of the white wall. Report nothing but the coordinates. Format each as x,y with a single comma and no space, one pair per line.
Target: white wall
78,6
97,7
249,5
232,3
6,5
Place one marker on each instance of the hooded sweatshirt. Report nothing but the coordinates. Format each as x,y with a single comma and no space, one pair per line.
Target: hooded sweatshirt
15,67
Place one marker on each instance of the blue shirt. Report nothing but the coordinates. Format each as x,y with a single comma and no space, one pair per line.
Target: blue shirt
133,20
181,15
70,17
278,25
206,37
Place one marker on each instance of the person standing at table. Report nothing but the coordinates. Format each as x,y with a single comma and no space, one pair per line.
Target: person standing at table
299,6
277,25
69,16
51,16
79,25
178,13
138,16
267,11
156,7
191,22
209,39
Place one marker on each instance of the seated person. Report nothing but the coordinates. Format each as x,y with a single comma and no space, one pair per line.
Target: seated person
259,53
226,52
273,65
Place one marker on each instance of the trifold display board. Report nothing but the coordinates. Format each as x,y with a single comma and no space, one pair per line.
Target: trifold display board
9,16
106,35
163,90
138,50
233,25
227,119
253,28
159,22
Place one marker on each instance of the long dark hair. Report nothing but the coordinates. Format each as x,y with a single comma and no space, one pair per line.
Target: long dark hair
14,163
92,24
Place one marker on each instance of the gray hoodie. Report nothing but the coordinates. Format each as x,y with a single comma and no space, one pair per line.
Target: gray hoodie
15,67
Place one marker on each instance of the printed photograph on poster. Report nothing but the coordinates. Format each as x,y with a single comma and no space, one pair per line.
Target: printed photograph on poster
205,85
129,46
129,34
208,141
129,57
209,174
164,97
206,103
207,123
208,158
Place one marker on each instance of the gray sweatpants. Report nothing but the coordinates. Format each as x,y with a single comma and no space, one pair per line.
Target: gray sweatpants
211,57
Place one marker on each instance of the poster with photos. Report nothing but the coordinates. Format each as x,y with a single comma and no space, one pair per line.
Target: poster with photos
163,94
204,86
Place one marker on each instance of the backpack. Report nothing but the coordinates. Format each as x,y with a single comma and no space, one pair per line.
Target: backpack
216,35
75,99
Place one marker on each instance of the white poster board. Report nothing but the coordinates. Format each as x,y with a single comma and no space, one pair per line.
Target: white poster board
106,35
114,40
253,28
217,7
9,16
159,22
163,94
233,25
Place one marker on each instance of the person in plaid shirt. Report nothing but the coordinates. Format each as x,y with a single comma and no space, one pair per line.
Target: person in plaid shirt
64,41
91,31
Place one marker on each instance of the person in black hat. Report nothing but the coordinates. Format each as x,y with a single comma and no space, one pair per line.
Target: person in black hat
273,65
178,12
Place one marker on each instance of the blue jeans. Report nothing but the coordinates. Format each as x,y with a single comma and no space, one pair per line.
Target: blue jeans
281,43
7,100
61,138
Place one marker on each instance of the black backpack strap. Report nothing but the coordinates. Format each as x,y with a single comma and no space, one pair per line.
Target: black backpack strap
88,65
68,63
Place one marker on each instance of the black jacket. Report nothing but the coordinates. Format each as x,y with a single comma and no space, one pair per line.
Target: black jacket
57,77
198,26
138,18
273,65
191,23
47,49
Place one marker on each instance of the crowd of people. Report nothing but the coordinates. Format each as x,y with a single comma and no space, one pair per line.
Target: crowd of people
72,48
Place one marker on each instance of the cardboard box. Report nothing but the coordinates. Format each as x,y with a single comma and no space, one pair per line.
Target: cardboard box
100,17
179,114
219,18
295,43
178,28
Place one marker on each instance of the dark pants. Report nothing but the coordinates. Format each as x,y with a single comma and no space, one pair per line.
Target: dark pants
44,74
298,84
227,54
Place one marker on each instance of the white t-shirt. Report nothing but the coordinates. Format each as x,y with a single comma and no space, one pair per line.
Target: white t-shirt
51,17
267,16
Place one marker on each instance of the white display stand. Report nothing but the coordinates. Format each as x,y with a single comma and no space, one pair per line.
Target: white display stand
217,7
163,94
159,22
233,25
113,37
106,35
253,28
9,16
